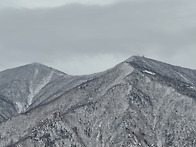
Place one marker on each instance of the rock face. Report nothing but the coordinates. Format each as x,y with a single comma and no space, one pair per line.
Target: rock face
139,102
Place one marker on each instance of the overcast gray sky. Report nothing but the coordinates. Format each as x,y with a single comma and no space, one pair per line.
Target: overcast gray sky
87,36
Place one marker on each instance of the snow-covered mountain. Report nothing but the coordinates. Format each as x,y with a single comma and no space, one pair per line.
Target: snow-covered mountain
25,87
139,102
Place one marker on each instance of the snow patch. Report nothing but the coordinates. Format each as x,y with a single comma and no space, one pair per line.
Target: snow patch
183,77
191,87
20,107
36,72
43,83
124,70
149,72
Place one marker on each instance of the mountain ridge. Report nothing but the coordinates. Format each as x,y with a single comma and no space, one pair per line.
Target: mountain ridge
139,102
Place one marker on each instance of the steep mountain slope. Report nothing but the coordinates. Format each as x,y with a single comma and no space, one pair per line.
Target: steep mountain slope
140,102
25,87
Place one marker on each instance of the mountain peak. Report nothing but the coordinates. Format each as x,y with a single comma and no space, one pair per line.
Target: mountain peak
133,58
37,64
138,58
42,66
139,102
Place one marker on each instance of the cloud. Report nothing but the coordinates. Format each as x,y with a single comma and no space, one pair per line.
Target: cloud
163,30
53,3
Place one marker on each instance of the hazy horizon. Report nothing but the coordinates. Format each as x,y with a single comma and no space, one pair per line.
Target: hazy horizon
83,37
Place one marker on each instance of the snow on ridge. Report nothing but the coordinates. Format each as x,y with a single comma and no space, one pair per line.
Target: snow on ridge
124,70
42,84
149,72
60,73
36,72
19,106
183,77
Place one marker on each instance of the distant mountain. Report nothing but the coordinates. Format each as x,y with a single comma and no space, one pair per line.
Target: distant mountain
25,87
139,102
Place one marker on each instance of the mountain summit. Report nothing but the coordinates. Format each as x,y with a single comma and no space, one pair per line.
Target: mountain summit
19,86
139,102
